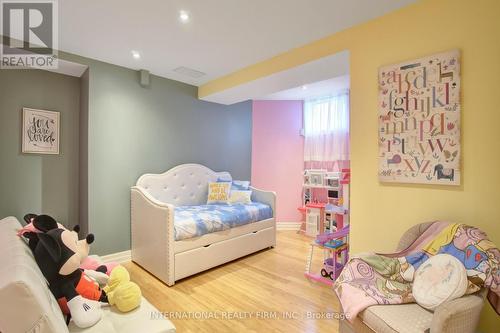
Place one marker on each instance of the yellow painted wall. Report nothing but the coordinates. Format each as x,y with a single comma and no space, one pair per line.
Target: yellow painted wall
380,212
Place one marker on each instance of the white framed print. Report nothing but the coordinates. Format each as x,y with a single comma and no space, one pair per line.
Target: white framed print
419,120
40,132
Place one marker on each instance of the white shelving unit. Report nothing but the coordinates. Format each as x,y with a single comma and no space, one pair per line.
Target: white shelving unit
328,202
320,179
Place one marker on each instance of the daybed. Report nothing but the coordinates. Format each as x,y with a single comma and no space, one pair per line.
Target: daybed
160,245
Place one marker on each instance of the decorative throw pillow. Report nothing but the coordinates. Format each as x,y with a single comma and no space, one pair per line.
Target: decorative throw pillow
243,197
224,178
439,279
218,192
240,185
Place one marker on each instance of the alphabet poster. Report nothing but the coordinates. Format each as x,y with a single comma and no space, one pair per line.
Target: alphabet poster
419,120
40,131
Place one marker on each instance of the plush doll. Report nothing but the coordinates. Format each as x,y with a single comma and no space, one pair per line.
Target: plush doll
93,263
59,254
42,223
121,292
36,224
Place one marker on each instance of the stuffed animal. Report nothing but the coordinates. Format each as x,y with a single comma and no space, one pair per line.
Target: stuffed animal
36,224
121,292
93,263
42,223
59,254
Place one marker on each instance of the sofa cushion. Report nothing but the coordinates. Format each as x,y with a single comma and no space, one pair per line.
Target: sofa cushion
145,316
397,318
27,304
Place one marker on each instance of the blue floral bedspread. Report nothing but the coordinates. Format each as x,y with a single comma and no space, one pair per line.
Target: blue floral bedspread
195,221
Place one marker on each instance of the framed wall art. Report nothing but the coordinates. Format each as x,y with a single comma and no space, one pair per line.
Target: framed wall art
419,120
40,131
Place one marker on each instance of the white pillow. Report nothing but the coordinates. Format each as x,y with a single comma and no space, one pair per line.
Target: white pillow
218,192
243,197
439,279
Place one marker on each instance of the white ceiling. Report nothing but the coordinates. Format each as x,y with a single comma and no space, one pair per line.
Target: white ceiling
69,68
324,88
333,66
221,37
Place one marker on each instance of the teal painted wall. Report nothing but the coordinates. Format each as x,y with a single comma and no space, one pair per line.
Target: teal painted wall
134,130
39,183
113,130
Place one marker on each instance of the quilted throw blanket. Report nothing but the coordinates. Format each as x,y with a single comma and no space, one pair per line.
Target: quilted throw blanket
371,279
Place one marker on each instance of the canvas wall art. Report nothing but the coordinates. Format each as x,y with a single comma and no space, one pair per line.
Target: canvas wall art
419,120
40,131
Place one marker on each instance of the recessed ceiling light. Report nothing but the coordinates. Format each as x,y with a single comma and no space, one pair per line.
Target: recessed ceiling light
136,54
183,16
304,87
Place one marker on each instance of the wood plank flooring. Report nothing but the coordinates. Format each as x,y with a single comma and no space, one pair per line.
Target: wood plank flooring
262,292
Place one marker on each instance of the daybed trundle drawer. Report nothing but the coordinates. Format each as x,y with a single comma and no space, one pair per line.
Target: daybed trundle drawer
193,261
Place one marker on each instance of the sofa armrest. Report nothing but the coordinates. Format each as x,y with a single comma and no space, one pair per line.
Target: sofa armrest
152,231
459,315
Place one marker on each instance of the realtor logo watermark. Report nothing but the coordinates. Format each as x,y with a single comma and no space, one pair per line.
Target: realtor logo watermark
29,30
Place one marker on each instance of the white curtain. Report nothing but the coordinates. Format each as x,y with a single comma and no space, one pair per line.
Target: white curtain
326,129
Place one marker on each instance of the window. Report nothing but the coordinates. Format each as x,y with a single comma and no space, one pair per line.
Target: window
326,115
326,129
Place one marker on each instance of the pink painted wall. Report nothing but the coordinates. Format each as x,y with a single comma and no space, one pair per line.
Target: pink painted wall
278,154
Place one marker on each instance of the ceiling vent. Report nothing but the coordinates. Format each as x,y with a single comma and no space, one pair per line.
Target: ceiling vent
189,72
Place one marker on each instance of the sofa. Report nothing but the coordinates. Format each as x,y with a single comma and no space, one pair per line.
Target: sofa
156,198
460,315
27,305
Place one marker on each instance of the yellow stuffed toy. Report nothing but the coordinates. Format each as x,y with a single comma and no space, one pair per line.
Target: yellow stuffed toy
122,292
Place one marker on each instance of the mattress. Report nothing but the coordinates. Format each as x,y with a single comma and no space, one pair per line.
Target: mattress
195,221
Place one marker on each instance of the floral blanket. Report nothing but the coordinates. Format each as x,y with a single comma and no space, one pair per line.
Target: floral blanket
195,221
371,279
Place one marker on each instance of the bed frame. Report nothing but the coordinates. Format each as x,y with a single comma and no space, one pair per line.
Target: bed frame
152,225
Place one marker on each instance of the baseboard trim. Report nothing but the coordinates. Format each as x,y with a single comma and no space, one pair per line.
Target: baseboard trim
288,226
119,257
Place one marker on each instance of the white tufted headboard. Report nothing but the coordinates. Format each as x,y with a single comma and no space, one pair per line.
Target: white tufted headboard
185,184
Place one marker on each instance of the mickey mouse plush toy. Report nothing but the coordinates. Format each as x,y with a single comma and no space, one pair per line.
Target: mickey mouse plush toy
58,253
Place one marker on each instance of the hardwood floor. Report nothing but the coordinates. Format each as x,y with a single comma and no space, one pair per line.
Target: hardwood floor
262,292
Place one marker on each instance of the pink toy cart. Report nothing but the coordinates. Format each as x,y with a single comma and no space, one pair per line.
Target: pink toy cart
335,247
